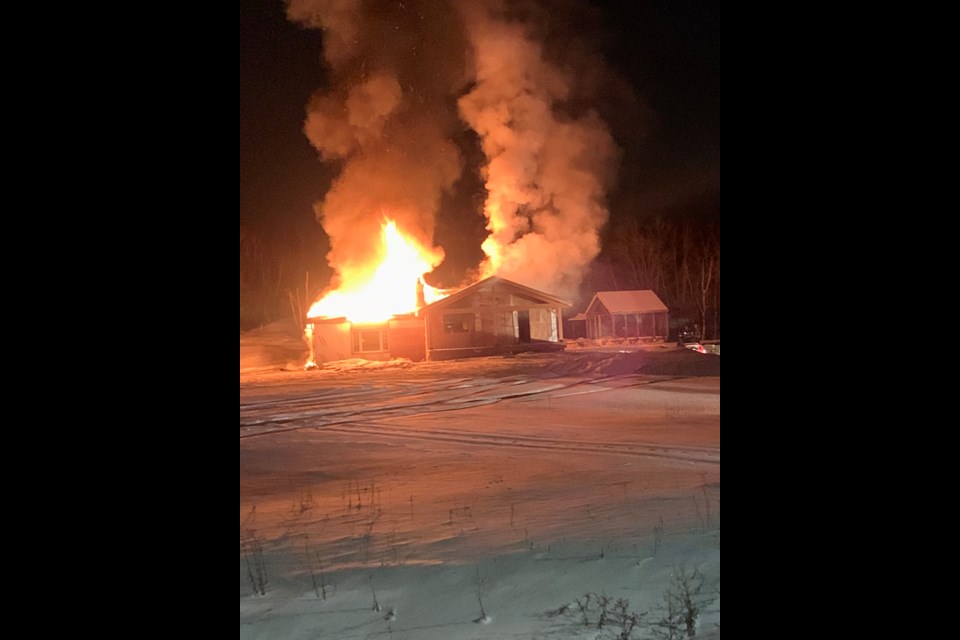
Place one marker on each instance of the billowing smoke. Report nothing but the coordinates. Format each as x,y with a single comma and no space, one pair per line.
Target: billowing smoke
547,172
387,118
405,75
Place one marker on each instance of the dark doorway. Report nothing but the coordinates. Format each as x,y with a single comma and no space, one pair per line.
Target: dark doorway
524,322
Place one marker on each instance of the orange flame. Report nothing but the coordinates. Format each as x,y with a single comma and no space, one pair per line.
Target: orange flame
308,337
390,287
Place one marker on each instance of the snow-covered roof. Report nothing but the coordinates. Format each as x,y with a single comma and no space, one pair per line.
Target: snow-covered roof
636,301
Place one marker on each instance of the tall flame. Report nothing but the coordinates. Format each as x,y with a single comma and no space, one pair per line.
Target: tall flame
390,286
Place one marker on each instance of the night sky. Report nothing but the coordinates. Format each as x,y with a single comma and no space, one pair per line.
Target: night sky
661,100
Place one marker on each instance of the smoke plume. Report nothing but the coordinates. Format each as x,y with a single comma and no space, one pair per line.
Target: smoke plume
547,172
405,77
386,118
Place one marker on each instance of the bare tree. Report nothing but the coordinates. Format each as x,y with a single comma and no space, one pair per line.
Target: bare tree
700,271
683,604
679,260
277,277
707,274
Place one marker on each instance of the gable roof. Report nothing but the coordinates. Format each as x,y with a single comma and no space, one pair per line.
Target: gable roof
636,301
489,283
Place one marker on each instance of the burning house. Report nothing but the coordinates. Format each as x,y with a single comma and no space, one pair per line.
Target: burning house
403,81
489,317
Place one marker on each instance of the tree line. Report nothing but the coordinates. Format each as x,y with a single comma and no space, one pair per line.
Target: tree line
279,277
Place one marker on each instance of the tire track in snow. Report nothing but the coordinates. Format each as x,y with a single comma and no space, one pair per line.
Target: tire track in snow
345,422
372,398
335,392
344,415
445,399
353,402
585,367
676,452
389,429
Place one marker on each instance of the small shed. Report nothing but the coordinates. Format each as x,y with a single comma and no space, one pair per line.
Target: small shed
626,314
493,316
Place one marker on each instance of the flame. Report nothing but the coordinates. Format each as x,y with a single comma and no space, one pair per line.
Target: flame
497,242
308,337
390,287
432,294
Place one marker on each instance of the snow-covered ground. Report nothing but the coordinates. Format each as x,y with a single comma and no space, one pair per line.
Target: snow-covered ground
511,487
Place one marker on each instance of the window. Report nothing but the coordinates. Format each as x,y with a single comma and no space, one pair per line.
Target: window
368,340
457,322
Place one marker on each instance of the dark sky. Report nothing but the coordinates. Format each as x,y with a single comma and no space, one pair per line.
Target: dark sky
664,113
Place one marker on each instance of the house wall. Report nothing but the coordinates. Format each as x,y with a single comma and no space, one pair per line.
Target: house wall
483,328
406,339
627,325
496,327
360,345
440,338
341,340
331,341
489,329
543,324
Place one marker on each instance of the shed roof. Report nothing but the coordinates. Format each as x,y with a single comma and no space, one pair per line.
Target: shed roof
636,301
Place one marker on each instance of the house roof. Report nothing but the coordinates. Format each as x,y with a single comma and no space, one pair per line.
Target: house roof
636,301
489,283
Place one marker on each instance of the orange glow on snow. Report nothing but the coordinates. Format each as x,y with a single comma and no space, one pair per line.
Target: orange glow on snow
389,287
